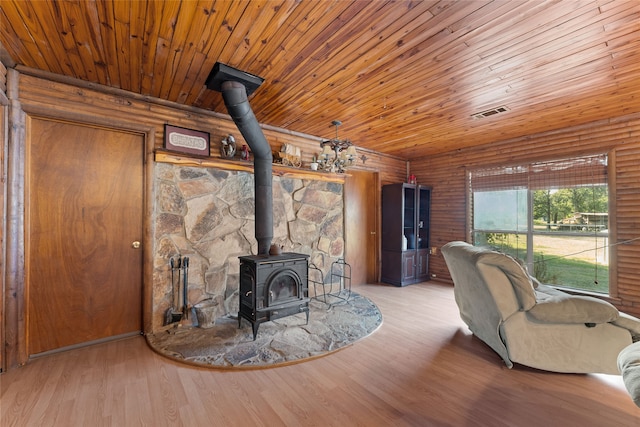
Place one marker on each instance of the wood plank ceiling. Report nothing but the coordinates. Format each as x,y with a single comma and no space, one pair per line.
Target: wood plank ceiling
405,77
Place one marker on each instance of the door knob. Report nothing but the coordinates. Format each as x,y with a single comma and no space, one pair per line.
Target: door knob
135,245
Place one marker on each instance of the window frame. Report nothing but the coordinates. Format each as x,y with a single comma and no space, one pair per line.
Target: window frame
530,232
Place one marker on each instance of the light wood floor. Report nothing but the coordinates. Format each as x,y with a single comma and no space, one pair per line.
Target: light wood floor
421,368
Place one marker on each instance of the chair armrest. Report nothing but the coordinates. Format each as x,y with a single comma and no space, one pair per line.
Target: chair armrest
574,309
630,323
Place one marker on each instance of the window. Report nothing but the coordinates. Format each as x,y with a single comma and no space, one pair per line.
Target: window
552,215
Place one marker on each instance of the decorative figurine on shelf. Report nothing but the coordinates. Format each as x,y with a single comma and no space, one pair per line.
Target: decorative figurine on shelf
412,179
228,147
244,153
290,155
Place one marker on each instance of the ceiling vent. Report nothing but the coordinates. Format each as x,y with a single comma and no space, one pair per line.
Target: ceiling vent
491,112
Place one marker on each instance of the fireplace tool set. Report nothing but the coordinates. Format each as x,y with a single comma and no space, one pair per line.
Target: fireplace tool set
179,300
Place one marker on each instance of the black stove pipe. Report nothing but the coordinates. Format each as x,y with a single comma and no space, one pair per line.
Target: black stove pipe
234,94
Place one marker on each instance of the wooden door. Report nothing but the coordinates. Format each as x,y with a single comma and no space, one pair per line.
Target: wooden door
84,213
362,209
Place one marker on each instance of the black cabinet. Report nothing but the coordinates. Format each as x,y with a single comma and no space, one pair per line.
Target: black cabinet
405,233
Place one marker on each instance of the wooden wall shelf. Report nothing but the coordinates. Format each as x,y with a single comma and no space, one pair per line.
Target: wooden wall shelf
163,156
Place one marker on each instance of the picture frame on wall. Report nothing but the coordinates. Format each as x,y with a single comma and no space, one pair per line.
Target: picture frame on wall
186,141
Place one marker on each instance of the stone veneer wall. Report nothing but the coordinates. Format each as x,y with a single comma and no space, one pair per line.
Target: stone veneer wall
207,214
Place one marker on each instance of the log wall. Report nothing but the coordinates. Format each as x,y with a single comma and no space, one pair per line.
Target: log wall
620,137
49,94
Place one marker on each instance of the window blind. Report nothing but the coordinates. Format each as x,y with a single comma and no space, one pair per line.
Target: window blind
566,173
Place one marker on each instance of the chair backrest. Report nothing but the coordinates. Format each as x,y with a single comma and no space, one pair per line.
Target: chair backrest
470,291
518,280
483,291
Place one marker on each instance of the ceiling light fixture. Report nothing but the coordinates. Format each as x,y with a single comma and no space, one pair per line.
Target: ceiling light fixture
337,154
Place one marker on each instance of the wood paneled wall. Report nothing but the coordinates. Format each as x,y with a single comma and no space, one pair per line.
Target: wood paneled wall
620,137
48,94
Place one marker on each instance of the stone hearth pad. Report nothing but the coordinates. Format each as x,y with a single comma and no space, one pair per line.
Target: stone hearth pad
282,341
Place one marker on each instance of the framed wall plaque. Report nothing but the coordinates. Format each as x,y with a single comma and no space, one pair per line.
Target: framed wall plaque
187,141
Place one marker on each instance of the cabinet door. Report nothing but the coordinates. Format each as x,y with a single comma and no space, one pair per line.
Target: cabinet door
422,265
409,217
392,217
408,267
423,204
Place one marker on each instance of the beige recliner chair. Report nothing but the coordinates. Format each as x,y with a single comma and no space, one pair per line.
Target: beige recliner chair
629,365
534,324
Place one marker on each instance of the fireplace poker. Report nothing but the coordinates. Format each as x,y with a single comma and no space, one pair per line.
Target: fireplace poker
185,302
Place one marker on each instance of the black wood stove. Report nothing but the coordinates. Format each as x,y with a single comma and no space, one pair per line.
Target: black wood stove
273,286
